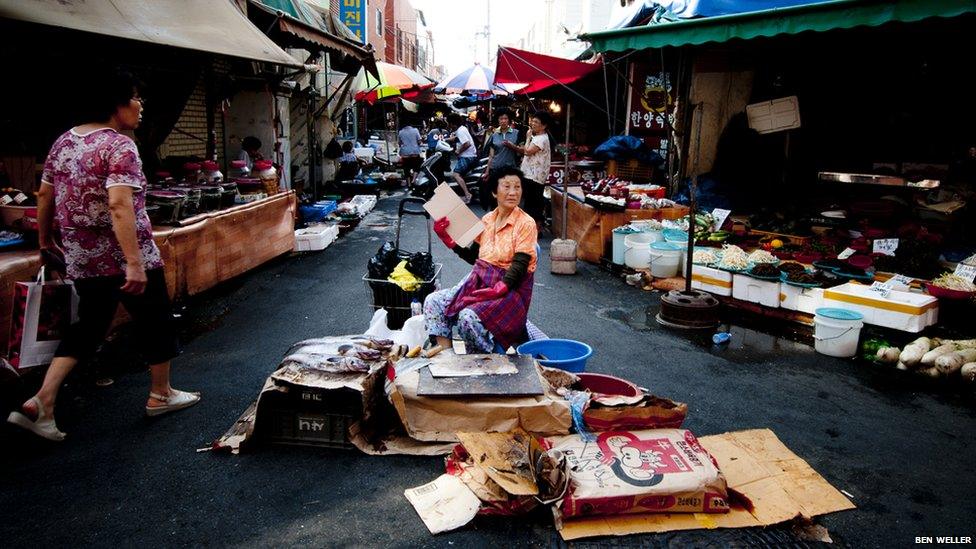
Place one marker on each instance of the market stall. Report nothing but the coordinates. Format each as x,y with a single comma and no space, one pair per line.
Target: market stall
592,225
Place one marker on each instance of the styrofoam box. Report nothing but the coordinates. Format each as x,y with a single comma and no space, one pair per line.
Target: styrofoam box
906,311
753,290
315,237
794,298
711,280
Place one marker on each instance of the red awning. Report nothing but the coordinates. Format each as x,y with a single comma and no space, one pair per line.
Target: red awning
526,72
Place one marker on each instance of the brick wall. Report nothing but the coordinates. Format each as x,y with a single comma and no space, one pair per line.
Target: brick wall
189,136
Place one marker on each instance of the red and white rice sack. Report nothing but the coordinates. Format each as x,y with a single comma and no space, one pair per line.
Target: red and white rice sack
649,471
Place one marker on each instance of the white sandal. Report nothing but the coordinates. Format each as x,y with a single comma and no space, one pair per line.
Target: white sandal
43,426
177,400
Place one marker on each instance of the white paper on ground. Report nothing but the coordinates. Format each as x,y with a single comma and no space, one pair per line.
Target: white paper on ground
464,225
444,504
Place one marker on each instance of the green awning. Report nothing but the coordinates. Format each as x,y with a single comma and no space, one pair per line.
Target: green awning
825,16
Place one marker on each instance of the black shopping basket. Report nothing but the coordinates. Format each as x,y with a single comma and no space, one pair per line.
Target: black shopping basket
390,296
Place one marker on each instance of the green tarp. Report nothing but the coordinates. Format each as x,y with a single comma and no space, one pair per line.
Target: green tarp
839,14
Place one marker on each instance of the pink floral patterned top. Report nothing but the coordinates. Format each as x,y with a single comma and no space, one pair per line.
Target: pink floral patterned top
81,168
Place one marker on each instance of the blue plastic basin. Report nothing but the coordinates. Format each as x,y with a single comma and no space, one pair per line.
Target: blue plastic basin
564,354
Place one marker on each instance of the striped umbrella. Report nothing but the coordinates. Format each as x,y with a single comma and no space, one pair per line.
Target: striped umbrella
475,79
393,80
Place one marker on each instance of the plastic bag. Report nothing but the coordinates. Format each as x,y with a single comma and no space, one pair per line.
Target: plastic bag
625,147
382,264
421,264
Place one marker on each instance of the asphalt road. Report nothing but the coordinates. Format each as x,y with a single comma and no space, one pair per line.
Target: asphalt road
905,453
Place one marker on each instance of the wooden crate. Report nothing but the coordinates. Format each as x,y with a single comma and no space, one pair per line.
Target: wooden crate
630,170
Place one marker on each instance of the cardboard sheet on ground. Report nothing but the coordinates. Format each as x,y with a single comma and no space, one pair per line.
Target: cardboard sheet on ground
465,225
524,381
506,458
778,485
439,418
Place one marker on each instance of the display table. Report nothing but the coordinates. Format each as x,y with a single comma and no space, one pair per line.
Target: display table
220,246
592,228
226,243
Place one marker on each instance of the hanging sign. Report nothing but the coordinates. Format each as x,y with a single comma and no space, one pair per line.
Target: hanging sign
651,100
352,13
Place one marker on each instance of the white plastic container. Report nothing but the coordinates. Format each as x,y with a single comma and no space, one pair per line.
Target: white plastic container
805,300
619,234
906,311
837,331
315,237
711,280
753,290
664,259
637,251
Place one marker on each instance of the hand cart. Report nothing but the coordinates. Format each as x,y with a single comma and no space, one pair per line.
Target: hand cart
389,295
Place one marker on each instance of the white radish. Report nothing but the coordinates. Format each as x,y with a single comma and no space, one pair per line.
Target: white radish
888,355
912,354
901,366
931,372
928,359
950,363
962,343
926,342
968,372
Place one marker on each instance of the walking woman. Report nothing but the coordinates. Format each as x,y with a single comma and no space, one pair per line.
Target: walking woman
93,188
536,157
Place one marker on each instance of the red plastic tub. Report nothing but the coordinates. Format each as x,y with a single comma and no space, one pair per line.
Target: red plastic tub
608,385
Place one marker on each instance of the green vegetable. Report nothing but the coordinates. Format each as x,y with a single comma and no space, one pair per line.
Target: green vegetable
869,349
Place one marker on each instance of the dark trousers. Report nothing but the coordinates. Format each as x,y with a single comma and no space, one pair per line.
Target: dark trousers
98,301
534,201
410,164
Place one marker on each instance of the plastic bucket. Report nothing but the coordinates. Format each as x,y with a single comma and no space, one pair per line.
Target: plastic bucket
565,354
619,234
665,258
837,331
637,254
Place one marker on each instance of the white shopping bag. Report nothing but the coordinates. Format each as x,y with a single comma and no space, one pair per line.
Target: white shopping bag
42,312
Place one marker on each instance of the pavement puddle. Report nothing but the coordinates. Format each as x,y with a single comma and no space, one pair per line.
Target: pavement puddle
749,342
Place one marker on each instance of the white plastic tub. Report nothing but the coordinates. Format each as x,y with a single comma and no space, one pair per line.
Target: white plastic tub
711,280
315,237
665,258
906,311
837,331
753,290
795,298
637,251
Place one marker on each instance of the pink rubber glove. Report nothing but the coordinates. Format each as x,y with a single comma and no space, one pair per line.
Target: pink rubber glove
440,229
485,294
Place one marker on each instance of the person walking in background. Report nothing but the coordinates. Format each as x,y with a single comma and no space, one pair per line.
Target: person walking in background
499,155
409,141
437,133
537,156
94,186
466,150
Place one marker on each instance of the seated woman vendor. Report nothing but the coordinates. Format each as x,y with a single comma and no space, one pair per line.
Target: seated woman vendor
490,304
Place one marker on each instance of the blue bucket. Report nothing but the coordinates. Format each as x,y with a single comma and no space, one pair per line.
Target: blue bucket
564,354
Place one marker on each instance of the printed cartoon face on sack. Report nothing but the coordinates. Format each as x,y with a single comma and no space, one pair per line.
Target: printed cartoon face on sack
640,462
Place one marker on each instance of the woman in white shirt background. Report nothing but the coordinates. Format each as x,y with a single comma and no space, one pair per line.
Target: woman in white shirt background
536,158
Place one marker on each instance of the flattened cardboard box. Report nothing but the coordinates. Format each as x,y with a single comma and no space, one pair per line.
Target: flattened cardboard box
777,484
439,418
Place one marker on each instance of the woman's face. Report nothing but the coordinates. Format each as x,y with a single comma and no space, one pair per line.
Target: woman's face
503,121
130,115
509,192
537,126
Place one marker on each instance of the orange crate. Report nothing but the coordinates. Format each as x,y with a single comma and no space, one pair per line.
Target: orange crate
631,170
